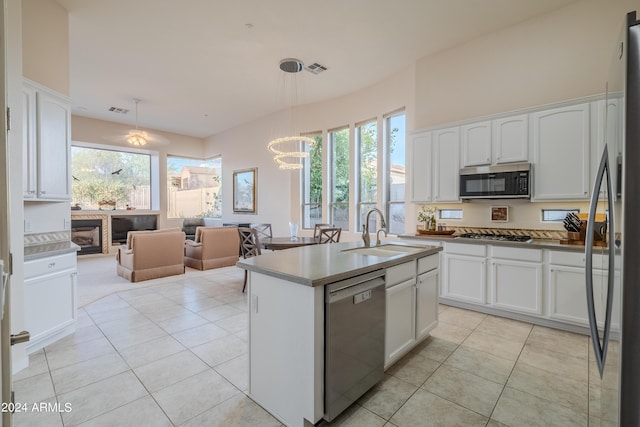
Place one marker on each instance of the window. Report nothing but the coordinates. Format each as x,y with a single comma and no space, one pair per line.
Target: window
367,171
395,129
339,178
312,184
119,176
450,213
556,215
193,187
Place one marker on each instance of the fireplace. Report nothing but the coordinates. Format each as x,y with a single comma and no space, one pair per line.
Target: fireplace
87,233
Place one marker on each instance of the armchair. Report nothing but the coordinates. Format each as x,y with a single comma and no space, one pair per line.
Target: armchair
151,254
214,247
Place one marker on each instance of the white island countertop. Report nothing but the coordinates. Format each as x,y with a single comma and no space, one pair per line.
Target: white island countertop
319,265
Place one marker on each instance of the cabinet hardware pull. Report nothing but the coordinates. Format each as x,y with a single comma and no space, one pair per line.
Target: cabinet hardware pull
52,264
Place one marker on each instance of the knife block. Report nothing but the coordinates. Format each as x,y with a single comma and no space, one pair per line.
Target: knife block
579,237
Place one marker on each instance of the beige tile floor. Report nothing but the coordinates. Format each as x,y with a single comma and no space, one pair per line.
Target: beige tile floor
175,354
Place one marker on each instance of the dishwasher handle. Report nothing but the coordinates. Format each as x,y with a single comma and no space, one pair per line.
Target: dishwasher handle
355,289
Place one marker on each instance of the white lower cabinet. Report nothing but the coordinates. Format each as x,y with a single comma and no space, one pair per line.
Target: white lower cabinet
411,305
400,334
465,275
426,303
516,279
568,296
50,299
517,286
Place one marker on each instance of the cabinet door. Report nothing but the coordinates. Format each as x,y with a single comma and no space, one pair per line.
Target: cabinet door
567,295
465,278
561,142
54,140
517,286
511,139
50,307
28,142
426,303
400,321
476,144
421,169
446,165
606,116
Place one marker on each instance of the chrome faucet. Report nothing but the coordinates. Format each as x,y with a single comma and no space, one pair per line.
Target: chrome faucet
365,228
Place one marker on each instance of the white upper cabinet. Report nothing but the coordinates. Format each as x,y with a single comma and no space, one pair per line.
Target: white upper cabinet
504,140
606,116
561,145
29,174
511,139
446,165
435,166
476,144
421,171
49,123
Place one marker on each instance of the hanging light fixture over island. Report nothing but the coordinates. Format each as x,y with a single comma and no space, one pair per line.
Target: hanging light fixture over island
288,150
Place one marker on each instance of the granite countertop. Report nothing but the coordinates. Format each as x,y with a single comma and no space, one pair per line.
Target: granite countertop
49,249
319,265
534,244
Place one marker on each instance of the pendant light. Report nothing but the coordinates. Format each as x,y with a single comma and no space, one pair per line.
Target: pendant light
288,149
137,137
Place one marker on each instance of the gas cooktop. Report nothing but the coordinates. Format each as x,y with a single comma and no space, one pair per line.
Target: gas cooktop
501,237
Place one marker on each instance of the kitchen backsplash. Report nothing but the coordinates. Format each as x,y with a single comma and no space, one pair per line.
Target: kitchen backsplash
45,238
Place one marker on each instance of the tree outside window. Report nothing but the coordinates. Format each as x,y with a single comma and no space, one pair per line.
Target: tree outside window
339,206
367,140
101,175
312,184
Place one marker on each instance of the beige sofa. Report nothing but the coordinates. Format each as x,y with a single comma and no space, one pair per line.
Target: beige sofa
151,254
214,247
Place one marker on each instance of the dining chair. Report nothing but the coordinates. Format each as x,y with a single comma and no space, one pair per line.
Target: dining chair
264,230
329,235
316,229
249,246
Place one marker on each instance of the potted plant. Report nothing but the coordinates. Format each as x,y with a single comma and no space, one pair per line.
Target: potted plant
427,216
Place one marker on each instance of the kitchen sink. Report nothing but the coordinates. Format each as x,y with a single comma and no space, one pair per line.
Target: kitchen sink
386,250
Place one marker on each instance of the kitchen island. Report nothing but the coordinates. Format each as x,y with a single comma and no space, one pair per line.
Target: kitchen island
287,316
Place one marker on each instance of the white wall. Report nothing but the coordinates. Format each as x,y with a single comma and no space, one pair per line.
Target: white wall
279,191
550,58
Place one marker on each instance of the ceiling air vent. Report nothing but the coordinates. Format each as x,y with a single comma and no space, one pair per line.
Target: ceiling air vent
316,68
118,110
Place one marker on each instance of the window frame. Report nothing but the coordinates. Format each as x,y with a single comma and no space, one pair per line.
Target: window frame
305,175
359,204
154,166
331,204
387,202
197,159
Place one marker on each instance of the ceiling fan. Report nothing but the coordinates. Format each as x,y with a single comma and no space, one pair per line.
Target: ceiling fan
138,137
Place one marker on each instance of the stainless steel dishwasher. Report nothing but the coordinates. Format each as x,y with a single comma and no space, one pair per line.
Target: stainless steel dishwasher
354,339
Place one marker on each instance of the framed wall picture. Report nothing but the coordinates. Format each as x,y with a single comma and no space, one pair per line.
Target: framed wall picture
244,190
500,213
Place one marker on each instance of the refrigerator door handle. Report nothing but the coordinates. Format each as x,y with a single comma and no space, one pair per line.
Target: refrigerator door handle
600,349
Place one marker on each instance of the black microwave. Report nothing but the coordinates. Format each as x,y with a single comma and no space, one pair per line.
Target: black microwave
510,181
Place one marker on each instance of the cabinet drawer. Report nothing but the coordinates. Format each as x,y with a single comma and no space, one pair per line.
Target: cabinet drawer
573,259
466,249
520,254
49,265
578,259
428,263
400,273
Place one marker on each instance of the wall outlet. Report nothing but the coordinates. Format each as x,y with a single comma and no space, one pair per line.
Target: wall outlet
27,225
67,224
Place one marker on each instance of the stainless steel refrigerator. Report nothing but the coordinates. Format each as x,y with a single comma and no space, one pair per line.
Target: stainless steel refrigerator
614,377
